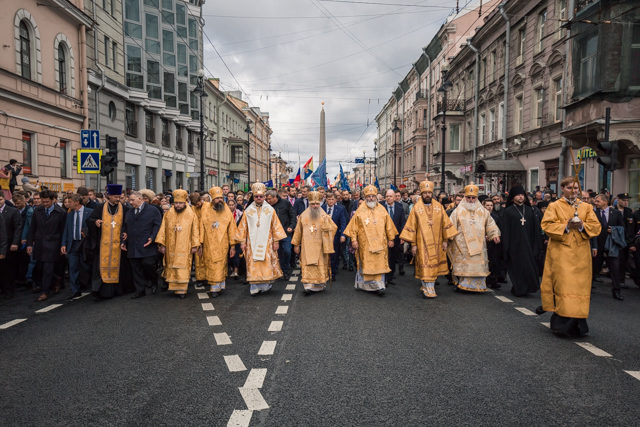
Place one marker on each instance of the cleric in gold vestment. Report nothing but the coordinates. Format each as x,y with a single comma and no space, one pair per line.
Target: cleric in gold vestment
196,204
178,239
468,251
566,282
371,230
428,229
259,232
314,234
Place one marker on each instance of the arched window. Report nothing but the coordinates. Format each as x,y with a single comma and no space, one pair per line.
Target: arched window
25,51
62,68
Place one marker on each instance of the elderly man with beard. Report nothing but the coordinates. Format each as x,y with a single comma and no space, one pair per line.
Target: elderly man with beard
218,235
468,252
372,231
178,239
313,241
521,242
259,232
428,229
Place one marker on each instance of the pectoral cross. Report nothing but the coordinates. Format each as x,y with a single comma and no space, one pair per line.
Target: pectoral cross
313,228
215,224
522,221
113,224
178,228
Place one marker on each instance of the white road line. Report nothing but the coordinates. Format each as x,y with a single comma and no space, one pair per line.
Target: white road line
267,348
293,278
282,309
503,299
48,308
634,374
197,288
207,306
296,271
291,287
253,399
275,326
82,295
214,321
240,418
222,338
593,349
11,323
256,377
525,311
287,297
234,363
546,324
202,295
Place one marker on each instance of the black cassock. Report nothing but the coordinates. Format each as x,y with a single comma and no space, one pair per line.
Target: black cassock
521,242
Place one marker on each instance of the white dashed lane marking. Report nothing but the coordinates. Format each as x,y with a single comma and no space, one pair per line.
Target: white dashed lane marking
222,338
197,288
207,306
503,299
11,323
282,309
290,287
634,374
256,377
267,348
48,308
234,363
293,278
240,418
546,324
202,295
253,399
296,271
286,297
525,311
275,326
593,349
214,321
82,295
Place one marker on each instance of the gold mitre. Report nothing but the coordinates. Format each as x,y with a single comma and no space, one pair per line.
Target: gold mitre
180,196
471,190
215,192
258,188
314,196
370,190
426,186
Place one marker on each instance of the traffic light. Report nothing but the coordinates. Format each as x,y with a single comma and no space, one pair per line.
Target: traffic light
109,160
609,156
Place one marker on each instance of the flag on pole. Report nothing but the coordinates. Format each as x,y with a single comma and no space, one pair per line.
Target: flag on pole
308,168
296,180
377,184
393,187
319,177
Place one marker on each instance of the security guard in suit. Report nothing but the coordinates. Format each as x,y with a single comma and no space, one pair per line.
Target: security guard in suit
629,233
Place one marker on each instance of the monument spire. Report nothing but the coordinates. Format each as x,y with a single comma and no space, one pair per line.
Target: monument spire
323,141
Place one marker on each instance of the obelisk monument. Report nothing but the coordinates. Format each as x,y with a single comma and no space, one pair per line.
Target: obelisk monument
323,139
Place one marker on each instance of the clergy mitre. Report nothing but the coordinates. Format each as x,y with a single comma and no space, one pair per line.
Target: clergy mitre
471,190
426,186
258,188
314,196
180,196
215,192
370,190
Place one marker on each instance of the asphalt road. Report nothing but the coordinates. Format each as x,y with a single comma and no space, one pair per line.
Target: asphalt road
343,357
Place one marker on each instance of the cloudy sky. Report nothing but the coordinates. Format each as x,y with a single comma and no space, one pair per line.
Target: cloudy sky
290,55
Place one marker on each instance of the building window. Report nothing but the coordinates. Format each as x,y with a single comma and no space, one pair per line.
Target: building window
538,103
151,29
131,177
178,138
492,124
542,21
634,181
586,58
492,65
107,43
25,50
134,67
114,55
190,142
112,111
561,15
454,137
150,134
132,10
237,154
533,178
483,72
500,118
149,178
64,165
27,153
165,133
634,57
519,117
520,45
131,128
557,99
62,68
483,129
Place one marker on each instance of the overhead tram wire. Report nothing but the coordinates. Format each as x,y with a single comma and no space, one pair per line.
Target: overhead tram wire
365,15
373,3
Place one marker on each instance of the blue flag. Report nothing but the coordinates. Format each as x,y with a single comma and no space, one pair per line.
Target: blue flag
393,187
377,184
269,183
319,176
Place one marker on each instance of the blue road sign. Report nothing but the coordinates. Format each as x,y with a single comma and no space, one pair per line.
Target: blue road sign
89,161
90,138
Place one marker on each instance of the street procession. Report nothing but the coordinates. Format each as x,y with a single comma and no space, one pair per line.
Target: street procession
321,213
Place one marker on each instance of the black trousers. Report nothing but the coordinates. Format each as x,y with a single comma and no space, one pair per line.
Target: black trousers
8,271
394,255
613,263
143,271
48,276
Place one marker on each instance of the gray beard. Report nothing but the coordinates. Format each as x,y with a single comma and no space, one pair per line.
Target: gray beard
470,206
314,213
497,207
371,205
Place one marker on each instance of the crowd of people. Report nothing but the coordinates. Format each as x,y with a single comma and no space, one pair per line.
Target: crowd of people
135,241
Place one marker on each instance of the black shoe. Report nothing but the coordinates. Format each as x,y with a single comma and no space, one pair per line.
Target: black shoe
380,292
333,278
401,272
307,292
350,268
213,294
137,295
390,282
154,289
617,294
539,310
74,296
183,296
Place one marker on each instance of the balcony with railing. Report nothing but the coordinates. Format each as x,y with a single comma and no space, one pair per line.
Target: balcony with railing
452,105
179,142
150,133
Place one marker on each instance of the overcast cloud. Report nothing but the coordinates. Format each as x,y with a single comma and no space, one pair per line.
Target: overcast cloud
290,55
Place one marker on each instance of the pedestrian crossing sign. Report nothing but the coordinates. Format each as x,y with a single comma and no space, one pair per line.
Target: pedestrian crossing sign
89,161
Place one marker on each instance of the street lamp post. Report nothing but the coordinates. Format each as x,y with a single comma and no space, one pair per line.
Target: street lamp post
248,131
446,84
200,92
396,132
375,164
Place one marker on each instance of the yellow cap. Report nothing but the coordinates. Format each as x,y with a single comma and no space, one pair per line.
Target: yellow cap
215,192
180,196
471,190
370,190
426,186
314,196
258,188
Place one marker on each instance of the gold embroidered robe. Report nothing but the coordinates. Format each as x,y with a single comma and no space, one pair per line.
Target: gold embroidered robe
218,232
427,227
468,251
110,252
316,240
198,259
372,229
268,269
566,281
178,233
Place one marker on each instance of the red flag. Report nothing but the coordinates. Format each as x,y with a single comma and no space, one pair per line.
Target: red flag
296,180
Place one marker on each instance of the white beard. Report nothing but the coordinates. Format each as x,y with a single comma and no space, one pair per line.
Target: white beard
315,213
371,205
470,206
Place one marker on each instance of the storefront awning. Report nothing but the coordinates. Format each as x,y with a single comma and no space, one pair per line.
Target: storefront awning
510,165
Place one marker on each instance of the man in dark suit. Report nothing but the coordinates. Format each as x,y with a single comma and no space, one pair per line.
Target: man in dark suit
609,217
75,230
45,238
141,225
12,226
302,203
396,213
288,220
338,214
